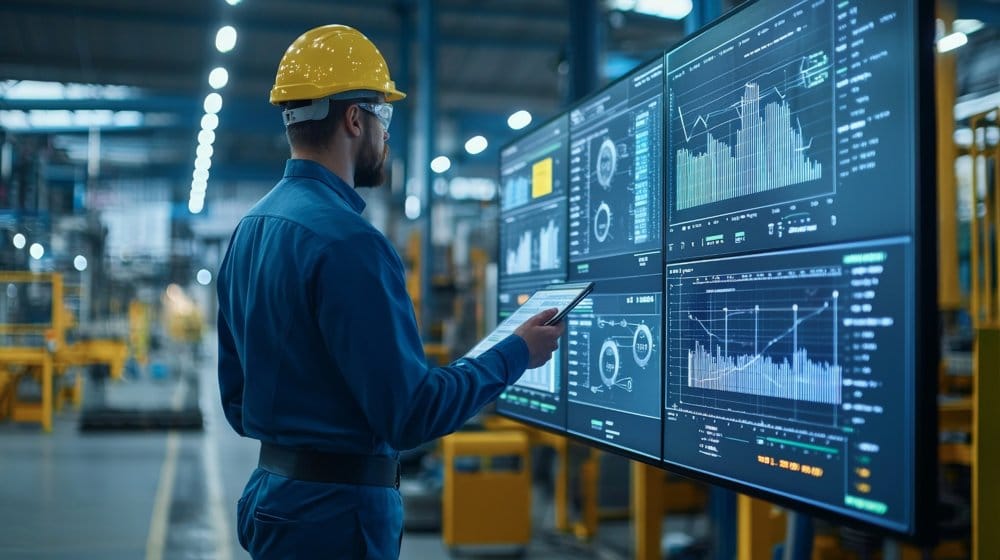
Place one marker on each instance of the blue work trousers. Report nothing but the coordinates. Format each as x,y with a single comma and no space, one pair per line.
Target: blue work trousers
279,518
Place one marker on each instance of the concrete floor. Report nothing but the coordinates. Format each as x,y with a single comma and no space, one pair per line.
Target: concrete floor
160,495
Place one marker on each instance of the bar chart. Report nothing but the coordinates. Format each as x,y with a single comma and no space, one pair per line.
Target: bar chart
770,152
537,249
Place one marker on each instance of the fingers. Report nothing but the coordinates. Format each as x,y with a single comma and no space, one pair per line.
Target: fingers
542,317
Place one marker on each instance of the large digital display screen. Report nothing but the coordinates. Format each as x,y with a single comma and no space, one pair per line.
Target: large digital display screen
615,179
757,212
791,283
533,217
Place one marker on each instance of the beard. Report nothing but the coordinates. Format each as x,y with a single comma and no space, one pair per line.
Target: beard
369,171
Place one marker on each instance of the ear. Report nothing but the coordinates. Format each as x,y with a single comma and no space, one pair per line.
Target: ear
352,121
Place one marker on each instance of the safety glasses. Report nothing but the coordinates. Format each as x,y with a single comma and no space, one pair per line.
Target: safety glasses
382,112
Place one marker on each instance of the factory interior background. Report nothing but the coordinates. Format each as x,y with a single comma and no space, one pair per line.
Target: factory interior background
829,169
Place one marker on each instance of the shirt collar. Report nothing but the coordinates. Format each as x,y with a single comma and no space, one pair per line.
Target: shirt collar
312,170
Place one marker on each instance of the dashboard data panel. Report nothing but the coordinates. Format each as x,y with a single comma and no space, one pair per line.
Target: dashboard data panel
785,126
614,364
615,178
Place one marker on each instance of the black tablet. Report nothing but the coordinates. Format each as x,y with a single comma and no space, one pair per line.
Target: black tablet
563,297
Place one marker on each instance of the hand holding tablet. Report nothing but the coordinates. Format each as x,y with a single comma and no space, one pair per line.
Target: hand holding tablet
540,330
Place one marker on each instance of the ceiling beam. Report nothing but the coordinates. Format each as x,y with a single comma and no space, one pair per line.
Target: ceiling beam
988,12
141,13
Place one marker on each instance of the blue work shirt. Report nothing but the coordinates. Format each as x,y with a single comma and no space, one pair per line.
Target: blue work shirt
318,344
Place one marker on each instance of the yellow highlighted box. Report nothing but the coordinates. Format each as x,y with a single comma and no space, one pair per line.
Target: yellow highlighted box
541,178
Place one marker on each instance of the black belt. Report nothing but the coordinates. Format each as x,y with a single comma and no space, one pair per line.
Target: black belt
340,468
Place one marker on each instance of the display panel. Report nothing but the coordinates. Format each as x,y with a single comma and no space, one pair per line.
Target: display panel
533,206
784,372
533,217
615,179
539,395
614,365
784,125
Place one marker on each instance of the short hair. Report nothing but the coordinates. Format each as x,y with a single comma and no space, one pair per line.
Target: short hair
317,134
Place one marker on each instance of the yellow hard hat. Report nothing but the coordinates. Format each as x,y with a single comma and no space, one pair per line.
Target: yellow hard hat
328,60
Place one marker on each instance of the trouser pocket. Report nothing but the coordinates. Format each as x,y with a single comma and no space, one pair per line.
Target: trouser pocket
277,535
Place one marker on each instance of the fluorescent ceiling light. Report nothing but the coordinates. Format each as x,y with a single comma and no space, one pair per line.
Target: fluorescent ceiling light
195,206
440,164
80,263
204,276
476,145
519,120
204,150
412,207
225,39
967,26
210,122
669,9
952,42
36,251
20,240
218,78
203,163
213,103
206,137
31,89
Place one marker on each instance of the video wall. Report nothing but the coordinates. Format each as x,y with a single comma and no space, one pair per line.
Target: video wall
756,209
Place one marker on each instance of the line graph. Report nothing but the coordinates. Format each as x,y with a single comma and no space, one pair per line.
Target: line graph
753,336
760,374
813,71
751,123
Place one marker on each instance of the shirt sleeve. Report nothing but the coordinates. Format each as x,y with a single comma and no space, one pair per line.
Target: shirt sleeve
367,322
230,376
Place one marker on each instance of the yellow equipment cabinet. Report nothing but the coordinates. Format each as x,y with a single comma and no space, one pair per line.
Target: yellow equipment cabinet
487,489
30,341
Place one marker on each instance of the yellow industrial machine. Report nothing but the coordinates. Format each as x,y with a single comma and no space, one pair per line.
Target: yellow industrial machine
487,489
35,347
31,337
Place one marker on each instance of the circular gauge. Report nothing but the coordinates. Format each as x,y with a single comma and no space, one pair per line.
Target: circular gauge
609,363
602,222
642,345
607,162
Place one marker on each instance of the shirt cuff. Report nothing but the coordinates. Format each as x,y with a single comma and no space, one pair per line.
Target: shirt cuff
514,352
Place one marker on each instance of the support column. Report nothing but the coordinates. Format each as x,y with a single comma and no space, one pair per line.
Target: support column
760,528
586,33
427,107
722,508
986,443
402,123
949,292
647,510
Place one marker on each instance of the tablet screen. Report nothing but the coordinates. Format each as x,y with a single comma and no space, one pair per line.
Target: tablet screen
559,296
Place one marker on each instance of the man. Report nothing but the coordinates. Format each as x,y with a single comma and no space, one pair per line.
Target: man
319,354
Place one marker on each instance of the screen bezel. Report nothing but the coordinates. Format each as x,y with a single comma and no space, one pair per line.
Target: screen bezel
922,529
